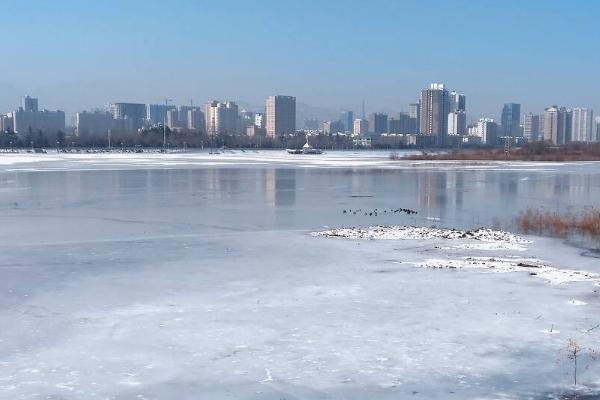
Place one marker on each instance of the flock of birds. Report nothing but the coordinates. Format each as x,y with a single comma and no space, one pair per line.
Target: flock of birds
375,212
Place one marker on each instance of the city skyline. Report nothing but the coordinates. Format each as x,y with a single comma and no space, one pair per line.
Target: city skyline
335,63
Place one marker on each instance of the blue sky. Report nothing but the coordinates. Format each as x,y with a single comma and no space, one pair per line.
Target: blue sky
333,54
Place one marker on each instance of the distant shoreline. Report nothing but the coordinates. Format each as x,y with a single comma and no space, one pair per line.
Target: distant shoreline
531,152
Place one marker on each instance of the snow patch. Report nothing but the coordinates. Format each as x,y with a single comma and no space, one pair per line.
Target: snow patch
575,302
421,232
533,267
488,246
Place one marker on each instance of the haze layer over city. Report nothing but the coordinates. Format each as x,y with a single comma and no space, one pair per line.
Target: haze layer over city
299,200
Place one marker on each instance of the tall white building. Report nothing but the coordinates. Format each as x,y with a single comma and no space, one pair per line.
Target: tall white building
221,118
457,123
582,125
260,120
281,115
557,124
487,130
361,127
532,127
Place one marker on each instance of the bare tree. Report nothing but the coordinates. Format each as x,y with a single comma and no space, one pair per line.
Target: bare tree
579,358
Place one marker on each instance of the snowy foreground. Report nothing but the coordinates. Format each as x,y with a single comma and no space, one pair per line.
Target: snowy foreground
334,315
198,276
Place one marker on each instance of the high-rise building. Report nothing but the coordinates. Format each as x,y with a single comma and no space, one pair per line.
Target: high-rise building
281,115
582,125
487,129
6,123
378,123
458,102
221,118
93,124
134,112
532,127
414,111
182,115
550,124
511,120
402,123
596,134
196,120
29,119
330,127
156,114
347,118
361,127
260,120
29,103
246,119
173,119
557,124
435,107
457,123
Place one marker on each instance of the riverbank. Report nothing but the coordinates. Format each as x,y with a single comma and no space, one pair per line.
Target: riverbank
543,222
529,152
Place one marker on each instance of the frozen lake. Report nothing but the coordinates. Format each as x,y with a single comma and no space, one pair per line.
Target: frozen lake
186,276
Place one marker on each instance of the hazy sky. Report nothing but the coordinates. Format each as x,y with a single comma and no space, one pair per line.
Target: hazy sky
79,54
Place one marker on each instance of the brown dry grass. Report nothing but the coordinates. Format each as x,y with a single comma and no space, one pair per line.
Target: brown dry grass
538,151
545,222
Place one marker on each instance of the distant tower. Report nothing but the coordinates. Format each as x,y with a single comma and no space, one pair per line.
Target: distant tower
347,118
511,120
281,115
29,103
435,107
582,125
414,112
556,124
532,127
458,102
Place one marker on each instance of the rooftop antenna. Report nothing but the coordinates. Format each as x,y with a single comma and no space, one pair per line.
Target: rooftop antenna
363,109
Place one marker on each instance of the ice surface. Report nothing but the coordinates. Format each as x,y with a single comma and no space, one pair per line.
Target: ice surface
123,279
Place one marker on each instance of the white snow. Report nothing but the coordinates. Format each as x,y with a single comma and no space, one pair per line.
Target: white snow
424,232
533,267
